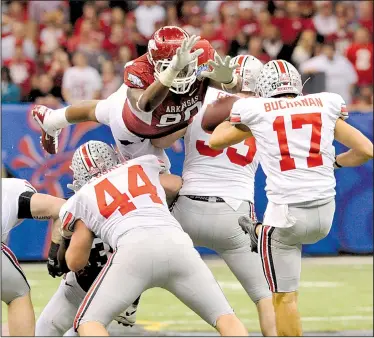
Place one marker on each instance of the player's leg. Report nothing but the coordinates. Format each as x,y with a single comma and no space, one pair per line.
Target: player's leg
215,225
192,282
280,250
125,276
15,292
58,315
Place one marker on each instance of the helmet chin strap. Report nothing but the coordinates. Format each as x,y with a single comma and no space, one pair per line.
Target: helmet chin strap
302,87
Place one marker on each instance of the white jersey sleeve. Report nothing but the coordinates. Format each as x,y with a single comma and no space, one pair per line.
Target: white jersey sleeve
336,105
128,196
243,111
106,108
227,173
109,112
12,188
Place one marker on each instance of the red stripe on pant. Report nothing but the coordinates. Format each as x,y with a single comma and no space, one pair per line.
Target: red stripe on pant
11,254
266,258
91,292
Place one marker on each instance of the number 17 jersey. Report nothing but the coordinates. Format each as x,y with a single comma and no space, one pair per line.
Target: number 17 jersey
294,138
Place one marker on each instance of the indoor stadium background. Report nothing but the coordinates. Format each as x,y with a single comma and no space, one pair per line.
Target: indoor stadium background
330,42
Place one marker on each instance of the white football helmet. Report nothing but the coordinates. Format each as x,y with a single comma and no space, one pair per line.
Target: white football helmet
278,77
249,70
90,159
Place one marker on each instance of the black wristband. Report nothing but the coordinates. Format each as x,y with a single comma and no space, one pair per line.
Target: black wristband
337,164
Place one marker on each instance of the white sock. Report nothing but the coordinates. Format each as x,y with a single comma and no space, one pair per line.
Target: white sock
57,119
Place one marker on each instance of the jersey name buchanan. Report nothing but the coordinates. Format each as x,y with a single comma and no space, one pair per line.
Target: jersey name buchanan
183,106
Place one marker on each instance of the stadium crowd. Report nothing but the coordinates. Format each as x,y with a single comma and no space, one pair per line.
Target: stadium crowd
56,51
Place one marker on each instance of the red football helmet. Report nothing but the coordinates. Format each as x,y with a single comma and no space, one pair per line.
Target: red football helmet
162,47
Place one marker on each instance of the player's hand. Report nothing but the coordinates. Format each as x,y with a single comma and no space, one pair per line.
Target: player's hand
54,268
223,70
183,56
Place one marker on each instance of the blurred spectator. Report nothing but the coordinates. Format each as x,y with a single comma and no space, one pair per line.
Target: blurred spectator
360,53
263,20
46,93
212,34
10,92
274,46
171,14
193,21
124,56
230,25
81,82
111,82
116,40
17,38
305,47
52,35
86,31
292,24
325,21
15,12
247,17
89,14
36,9
366,15
343,35
57,66
147,14
93,51
364,100
21,69
212,7
339,72
255,48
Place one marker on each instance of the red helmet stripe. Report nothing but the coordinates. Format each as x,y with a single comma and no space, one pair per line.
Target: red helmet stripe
281,66
86,159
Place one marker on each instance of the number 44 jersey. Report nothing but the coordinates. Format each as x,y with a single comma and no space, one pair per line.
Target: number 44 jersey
227,173
294,138
128,196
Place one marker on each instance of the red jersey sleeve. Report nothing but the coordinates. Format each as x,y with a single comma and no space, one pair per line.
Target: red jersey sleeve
139,73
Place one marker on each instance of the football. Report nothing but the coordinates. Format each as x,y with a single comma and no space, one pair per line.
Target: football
217,112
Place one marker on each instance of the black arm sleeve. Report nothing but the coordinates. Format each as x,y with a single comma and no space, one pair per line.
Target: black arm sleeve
24,207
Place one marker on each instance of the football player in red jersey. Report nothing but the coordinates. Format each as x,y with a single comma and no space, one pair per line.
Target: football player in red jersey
162,90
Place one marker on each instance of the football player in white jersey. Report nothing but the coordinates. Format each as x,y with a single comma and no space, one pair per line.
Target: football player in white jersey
20,201
107,112
218,188
57,317
124,205
294,137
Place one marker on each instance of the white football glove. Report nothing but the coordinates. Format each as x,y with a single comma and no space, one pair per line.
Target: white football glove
183,56
222,70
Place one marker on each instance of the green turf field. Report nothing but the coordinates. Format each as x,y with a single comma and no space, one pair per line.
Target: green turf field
336,294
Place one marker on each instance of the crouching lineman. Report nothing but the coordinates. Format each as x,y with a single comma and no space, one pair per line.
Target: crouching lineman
294,137
124,205
20,200
58,316
218,188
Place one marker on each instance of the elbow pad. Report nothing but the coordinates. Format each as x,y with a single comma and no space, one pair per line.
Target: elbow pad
24,205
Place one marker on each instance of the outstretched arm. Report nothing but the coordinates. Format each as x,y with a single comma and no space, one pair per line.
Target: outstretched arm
226,135
361,148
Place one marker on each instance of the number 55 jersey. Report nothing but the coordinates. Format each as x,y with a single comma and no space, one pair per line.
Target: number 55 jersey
227,173
294,138
128,196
